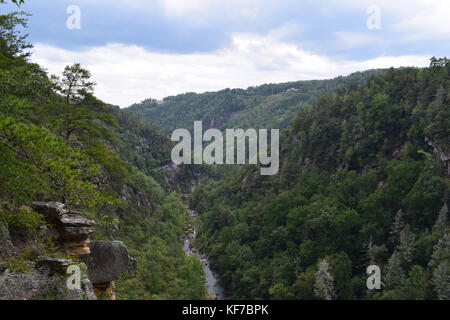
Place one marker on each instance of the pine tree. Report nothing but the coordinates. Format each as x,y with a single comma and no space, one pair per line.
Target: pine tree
441,280
372,253
75,83
80,118
324,284
442,219
397,226
12,41
441,251
406,246
395,273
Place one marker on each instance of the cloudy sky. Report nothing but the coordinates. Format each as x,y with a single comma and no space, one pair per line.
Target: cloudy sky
138,49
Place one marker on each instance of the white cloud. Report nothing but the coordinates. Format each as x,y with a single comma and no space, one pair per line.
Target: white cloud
211,8
415,19
431,21
349,40
410,14
128,74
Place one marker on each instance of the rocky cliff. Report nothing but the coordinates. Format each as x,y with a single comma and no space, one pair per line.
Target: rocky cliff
87,271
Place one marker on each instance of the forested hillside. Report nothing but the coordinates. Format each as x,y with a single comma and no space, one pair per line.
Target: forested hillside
58,142
267,106
364,180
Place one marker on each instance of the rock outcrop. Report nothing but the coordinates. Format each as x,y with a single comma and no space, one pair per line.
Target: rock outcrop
72,229
102,262
40,285
444,156
108,261
6,246
53,265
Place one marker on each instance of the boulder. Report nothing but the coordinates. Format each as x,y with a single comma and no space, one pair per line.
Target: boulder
109,261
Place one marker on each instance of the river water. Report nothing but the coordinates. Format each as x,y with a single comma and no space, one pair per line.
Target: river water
214,288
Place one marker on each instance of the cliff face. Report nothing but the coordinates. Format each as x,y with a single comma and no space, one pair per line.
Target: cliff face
444,156
89,274
40,285
72,229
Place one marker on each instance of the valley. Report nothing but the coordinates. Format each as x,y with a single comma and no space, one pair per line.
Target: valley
358,185
212,281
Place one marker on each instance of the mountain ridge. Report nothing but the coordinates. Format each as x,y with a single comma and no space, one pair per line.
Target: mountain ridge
266,106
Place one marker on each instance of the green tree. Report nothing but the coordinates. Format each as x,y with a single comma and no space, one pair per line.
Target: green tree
12,42
75,83
324,283
441,280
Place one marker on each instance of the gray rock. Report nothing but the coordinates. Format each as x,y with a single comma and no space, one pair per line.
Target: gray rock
51,210
109,261
37,285
71,232
6,247
438,149
70,225
4,232
88,289
53,265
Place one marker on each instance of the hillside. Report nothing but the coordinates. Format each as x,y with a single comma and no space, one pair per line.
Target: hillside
267,106
59,143
364,180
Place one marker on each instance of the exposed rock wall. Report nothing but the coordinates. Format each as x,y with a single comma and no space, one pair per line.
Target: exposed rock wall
102,262
39,285
72,228
444,156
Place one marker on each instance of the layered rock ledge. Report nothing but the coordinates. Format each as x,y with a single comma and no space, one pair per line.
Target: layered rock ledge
71,228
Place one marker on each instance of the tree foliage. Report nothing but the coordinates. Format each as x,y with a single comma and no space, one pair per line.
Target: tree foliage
364,164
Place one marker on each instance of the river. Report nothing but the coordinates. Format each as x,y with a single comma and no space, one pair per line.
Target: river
214,288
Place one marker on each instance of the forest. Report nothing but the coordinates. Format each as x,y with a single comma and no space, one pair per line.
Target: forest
270,106
363,181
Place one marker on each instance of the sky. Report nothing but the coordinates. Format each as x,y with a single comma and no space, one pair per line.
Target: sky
139,49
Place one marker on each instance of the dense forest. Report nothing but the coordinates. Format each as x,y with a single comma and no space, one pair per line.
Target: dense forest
363,181
58,142
267,106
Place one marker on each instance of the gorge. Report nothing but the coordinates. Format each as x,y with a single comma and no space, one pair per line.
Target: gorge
212,281
363,179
